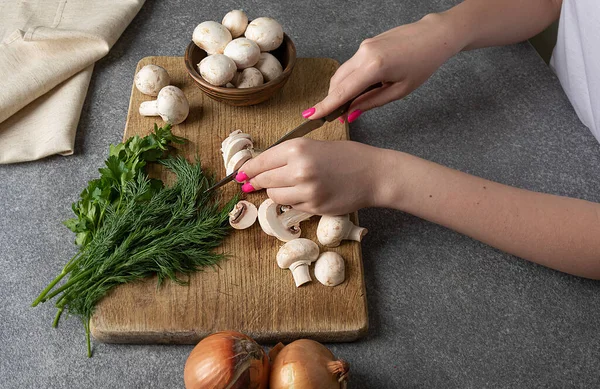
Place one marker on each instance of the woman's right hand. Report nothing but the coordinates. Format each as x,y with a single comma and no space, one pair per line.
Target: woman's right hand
402,59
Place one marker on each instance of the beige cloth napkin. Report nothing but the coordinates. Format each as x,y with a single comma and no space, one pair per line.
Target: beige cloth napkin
47,53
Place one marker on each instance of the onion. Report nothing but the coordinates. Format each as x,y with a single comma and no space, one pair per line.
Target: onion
306,364
229,360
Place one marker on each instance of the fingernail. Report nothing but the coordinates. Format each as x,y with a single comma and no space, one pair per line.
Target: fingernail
308,113
354,115
247,188
341,119
241,177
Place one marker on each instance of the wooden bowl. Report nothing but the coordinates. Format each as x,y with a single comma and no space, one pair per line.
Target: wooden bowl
286,54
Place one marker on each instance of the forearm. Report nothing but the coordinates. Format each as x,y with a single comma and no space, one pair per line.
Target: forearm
481,23
558,232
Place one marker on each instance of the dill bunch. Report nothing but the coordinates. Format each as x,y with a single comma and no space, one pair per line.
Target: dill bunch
169,232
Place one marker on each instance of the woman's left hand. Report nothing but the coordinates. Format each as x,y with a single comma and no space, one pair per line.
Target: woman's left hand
319,177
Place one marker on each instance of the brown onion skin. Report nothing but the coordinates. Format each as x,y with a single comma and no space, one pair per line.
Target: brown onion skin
306,364
227,359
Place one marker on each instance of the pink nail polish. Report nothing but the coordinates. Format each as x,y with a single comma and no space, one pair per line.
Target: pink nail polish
247,188
308,113
354,115
241,177
341,119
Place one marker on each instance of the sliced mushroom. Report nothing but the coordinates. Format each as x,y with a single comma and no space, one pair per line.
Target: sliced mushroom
234,135
330,269
171,105
280,221
243,215
333,229
235,146
297,255
238,160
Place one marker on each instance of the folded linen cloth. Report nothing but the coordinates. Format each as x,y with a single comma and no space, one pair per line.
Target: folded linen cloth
47,53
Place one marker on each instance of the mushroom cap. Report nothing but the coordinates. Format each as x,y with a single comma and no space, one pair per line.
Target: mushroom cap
266,32
296,252
332,230
243,215
236,145
249,78
330,269
243,52
238,160
262,216
217,69
269,66
151,79
236,22
211,37
173,106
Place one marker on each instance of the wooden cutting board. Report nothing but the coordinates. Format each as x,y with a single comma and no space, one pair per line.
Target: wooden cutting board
248,292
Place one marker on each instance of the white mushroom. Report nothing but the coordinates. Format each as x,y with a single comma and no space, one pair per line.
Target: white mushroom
151,79
297,255
229,85
232,136
281,221
235,146
329,269
236,22
171,105
217,69
238,160
243,215
243,52
333,229
267,32
249,78
269,66
211,37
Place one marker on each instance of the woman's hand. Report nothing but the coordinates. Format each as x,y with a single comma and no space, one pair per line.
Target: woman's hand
402,58
331,178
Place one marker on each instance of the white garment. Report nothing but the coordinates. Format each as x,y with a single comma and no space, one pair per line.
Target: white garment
47,52
576,59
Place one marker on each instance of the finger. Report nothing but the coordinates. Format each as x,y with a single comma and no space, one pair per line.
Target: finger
274,178
267,160
286,196
379,97
343,72
349,88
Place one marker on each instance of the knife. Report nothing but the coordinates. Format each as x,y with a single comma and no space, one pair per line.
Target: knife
303,129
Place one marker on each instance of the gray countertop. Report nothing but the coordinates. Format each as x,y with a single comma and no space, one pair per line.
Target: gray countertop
445,310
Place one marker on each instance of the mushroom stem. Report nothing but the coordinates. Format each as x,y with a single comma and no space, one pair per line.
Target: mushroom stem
300,273
149,108
356,233
293,217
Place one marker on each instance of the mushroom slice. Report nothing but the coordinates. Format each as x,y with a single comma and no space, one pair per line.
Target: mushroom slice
236,145
333,229
234,135
280,221
243,215
297,255
238,160
329,269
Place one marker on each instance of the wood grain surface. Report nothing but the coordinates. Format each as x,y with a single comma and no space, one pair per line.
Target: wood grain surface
248,292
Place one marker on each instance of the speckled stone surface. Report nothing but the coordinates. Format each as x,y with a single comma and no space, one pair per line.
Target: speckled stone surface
445,311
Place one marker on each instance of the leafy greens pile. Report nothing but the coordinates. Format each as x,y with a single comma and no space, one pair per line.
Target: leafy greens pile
130,226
